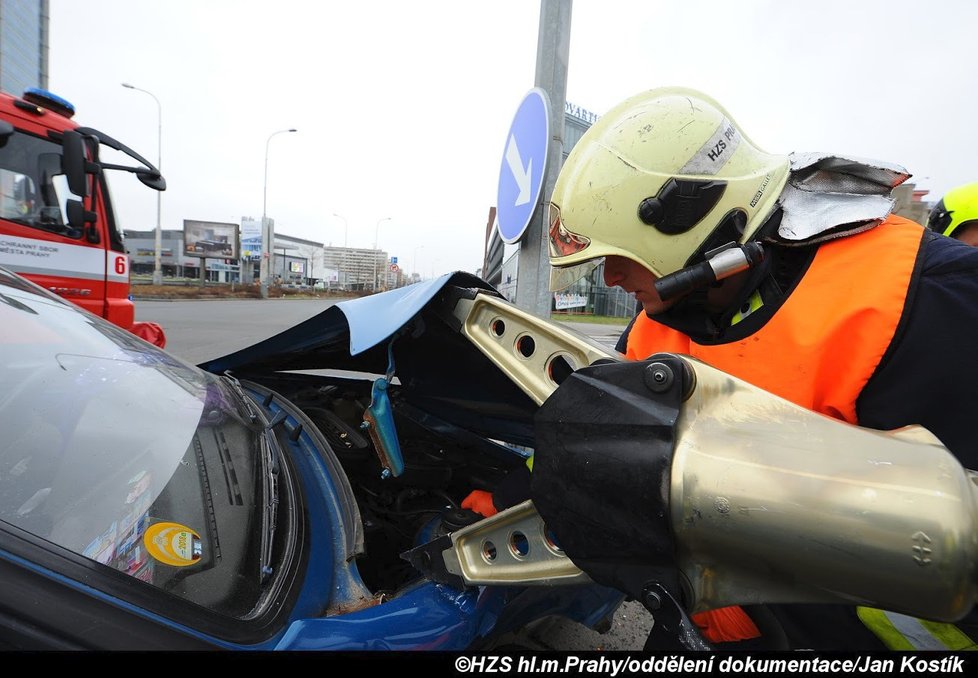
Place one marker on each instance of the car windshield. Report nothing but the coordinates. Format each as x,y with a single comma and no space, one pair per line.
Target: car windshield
127,456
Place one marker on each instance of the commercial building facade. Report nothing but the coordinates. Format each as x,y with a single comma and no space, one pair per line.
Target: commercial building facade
295,261
23,45
360,269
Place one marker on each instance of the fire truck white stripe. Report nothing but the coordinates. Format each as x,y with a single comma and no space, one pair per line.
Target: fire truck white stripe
44,257
34,270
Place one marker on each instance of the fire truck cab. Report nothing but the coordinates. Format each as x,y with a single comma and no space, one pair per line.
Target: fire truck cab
57,225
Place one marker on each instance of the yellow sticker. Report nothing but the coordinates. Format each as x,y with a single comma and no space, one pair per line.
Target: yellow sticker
173,544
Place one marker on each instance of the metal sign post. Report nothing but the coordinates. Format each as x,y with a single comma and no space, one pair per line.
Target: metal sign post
553,52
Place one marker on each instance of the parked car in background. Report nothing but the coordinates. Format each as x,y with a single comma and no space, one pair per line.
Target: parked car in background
147,503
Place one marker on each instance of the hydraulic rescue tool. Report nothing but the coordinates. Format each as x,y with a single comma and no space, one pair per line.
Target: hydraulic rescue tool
689,489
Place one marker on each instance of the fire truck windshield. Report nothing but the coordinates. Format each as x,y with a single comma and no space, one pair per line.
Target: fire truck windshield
33,188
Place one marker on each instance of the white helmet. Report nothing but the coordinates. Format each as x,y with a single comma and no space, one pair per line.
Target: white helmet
662,178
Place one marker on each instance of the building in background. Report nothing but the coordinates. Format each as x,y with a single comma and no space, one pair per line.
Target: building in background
173,262
23,45
356,268
495,254
910,203
296,262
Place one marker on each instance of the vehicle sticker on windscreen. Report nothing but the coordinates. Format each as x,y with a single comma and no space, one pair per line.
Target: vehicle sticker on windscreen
173,544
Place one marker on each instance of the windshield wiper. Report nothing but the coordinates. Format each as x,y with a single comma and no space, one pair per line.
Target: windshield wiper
269,448
270,452
235,385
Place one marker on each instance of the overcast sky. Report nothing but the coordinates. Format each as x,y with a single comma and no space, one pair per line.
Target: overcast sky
402,108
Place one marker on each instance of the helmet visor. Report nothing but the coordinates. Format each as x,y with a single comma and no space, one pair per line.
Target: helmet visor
564,276
563,242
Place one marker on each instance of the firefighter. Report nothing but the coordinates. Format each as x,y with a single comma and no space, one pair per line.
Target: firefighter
956,214
787,271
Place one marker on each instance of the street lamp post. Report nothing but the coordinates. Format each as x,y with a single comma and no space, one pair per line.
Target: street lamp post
158,246
376,234
345,225
266,232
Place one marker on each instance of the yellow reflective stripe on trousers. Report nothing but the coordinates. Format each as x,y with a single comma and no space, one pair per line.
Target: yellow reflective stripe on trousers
949,634
901,632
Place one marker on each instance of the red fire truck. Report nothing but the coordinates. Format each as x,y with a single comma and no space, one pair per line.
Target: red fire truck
57,226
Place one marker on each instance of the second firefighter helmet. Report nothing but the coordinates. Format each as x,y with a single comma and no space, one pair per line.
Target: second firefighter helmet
958,208
661,179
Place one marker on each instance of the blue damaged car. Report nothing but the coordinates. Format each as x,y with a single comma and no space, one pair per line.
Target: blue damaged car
266,499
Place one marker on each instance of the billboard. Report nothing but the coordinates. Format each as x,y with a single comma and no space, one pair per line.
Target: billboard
251,239
213,239
297,266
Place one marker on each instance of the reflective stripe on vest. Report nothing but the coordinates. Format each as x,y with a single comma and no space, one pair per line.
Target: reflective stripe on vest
900,632
751,305
821,347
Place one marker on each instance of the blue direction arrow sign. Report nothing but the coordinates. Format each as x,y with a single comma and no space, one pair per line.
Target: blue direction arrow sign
524,165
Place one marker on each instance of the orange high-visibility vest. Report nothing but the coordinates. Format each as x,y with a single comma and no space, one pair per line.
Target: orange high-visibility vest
818,350
827,339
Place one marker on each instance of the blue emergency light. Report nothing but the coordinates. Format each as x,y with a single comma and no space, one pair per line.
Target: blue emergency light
49,100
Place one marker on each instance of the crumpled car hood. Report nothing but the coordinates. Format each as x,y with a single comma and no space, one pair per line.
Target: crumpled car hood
437,367
344,332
